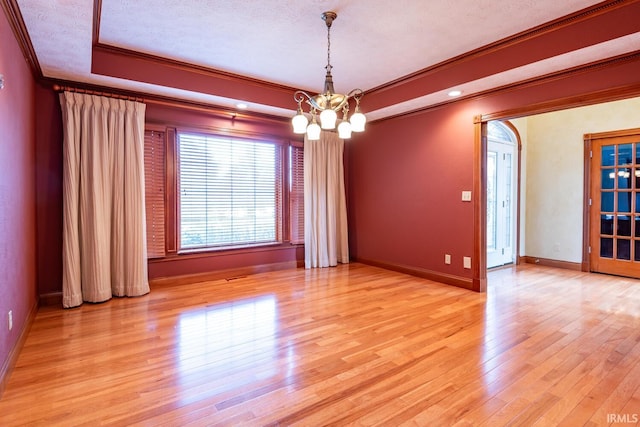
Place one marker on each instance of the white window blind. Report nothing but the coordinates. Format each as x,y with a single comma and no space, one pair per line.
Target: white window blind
230,191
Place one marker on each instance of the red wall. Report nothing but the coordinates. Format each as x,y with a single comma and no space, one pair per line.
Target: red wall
49,192
405,181
406,174
17,193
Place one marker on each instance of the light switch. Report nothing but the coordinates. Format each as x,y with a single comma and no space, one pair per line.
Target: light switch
466,262
466,196
447,259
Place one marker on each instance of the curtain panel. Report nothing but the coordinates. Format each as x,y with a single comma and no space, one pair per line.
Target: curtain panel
104,238
326,241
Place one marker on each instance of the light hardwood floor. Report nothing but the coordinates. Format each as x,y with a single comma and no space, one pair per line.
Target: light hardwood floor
352,345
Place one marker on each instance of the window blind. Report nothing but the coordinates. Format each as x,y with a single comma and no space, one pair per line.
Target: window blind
154,178
230,191
296,194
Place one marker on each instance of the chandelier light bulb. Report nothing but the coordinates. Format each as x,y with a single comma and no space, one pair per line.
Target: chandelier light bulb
328,119
344,130
300,123
313,131
358,121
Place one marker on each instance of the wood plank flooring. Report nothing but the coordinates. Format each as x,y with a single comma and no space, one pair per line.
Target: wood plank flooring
352,345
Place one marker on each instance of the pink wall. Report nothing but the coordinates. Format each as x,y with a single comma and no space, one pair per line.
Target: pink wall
406,174
17,193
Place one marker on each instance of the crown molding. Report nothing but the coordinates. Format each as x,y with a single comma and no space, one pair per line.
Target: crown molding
575,31
606,95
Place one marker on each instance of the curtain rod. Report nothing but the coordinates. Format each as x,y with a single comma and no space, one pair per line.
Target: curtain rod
59,88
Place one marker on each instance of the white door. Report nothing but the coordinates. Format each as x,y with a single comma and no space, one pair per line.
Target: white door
501,198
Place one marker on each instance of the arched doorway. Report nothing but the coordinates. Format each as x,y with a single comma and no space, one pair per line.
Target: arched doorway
502,173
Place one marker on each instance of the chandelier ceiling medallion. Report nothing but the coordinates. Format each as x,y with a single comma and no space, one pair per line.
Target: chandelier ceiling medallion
328,103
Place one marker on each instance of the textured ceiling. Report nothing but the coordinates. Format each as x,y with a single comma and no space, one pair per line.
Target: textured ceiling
284,41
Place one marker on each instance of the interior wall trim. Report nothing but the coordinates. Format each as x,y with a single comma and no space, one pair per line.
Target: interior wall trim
108,61
174,63
606,95
448,279
12,11
517,38
10,363
567,265
479,263
97,15
51,299
226,274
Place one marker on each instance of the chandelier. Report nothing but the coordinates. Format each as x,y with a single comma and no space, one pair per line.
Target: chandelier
328,103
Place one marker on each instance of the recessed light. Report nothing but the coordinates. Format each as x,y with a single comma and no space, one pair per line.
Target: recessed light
454,93
241,106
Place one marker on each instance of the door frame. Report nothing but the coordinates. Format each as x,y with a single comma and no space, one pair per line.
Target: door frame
515,182
586,207
479,267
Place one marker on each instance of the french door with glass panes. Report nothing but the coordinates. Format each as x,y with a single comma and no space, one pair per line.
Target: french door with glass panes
500,203
614,220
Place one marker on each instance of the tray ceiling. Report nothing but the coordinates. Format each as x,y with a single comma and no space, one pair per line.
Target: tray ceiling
373,42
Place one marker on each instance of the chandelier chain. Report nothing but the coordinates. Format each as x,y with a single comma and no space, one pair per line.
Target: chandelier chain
328,67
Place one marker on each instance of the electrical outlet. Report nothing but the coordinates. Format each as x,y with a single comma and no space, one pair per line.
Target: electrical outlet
10,320
466,262
447,259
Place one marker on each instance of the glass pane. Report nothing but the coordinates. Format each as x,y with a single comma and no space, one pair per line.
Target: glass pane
624,225
637,205
625,154
606,247
507,177
636,220
623,249
606,202
608,177
608,155
229,191
500,132
624,179
636,250
606,224
624,202
638,154
636,173
492,196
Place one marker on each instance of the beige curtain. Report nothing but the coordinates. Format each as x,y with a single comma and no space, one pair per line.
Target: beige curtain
104,250
326,240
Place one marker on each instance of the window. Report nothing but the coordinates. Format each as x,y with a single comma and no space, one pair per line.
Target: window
210,192
230,191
